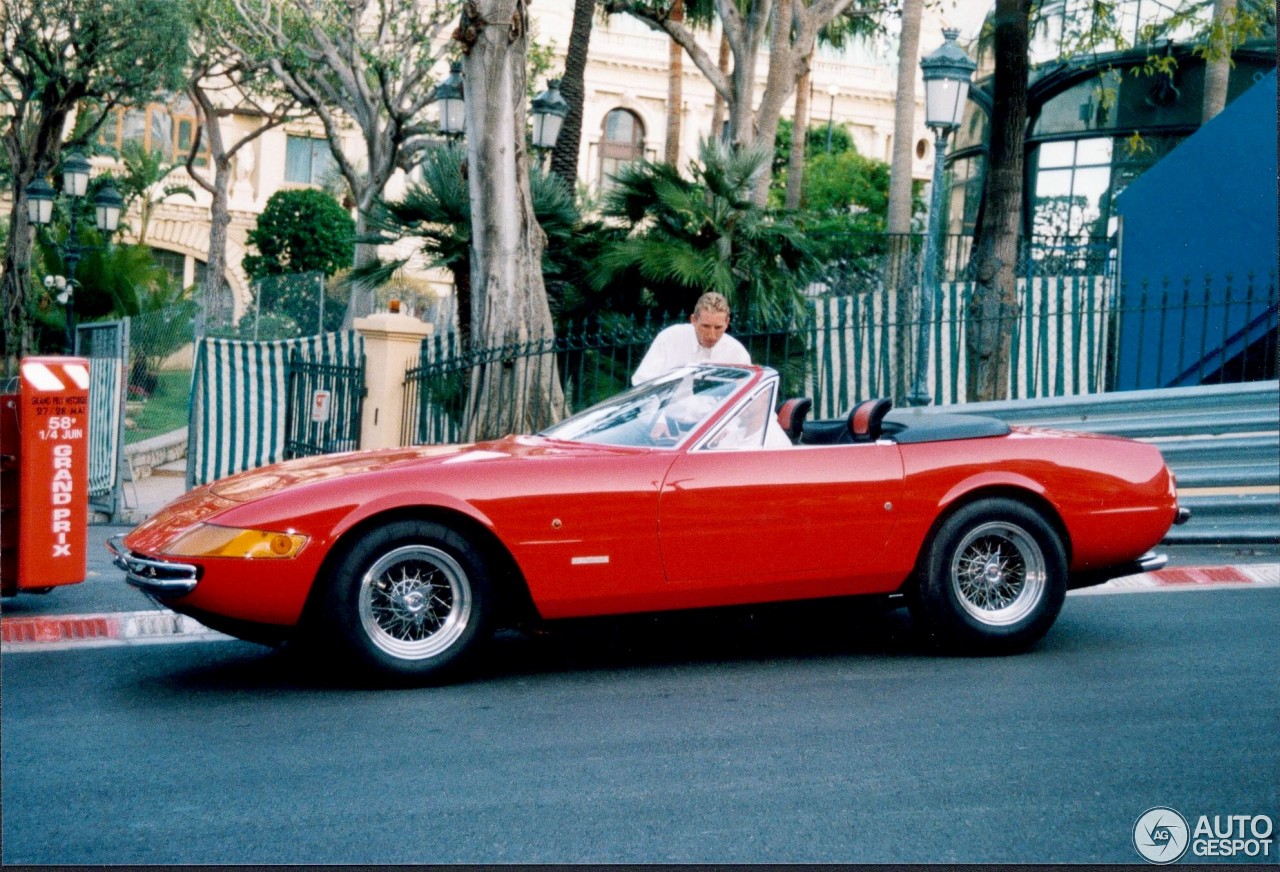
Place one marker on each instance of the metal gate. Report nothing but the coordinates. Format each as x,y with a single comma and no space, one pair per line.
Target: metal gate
322,413
106,345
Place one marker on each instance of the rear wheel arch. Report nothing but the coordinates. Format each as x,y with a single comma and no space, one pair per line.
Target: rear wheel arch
1029,498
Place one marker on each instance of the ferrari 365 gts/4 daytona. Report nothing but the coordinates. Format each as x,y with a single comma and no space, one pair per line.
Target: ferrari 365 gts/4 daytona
684,492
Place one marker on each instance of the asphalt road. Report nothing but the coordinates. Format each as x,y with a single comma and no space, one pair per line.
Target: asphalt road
783,735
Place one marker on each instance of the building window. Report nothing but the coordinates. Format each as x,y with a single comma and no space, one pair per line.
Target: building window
167,130
621,144
1072,188
962,185
308,161
172,262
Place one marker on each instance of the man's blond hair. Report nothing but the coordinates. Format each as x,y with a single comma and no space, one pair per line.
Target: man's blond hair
711,301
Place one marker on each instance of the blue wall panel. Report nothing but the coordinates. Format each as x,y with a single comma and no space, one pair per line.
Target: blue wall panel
1199,249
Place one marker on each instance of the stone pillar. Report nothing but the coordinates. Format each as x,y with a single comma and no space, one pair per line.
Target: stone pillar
391,344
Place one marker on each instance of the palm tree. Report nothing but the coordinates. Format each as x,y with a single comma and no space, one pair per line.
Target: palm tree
685,236
437,214
564,157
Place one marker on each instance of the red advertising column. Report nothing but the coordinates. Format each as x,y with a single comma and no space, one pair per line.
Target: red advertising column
53,424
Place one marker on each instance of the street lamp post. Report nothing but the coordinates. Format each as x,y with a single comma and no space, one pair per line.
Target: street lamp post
453,107
947,73
834,91
548,110
107,208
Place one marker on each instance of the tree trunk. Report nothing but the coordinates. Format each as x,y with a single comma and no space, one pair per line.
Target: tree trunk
1217,66
521,393
363,294
16,280
564,158
718,105
784,60
993,308
799,141
904,119
675,91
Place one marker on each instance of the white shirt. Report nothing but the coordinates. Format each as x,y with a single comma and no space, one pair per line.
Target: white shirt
678,346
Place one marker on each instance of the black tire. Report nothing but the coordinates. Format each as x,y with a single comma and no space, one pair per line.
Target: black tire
992,579
409,602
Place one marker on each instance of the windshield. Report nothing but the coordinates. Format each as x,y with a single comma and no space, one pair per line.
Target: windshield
658,413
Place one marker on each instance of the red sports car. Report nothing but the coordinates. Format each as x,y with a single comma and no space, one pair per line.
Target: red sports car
685,492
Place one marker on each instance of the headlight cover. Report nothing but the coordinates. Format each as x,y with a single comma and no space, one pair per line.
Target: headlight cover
210,540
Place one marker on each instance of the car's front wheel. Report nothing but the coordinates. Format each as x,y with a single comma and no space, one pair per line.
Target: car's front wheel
410,600
992,579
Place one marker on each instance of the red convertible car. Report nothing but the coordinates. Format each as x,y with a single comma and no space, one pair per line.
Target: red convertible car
684,492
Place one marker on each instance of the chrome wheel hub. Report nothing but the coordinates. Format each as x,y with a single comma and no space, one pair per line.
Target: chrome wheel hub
415,602
998,573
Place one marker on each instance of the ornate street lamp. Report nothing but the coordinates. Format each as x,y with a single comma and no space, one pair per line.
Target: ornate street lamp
75,175
453,108
548,110
947,73
108,205
40,196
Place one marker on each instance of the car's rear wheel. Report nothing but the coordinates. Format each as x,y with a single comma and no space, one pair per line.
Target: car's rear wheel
410,600
992,579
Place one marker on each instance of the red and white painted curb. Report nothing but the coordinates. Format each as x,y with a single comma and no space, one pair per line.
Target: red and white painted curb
56,632
1192,578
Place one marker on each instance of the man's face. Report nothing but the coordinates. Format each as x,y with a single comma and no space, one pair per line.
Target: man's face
709,326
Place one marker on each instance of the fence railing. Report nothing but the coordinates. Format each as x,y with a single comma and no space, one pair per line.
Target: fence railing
1072,335
870,262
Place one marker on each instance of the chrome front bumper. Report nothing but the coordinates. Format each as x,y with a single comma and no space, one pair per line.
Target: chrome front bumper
157,577
1150,562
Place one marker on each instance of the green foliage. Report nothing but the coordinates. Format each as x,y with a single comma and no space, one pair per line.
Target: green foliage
141,182
301,231
121,51
688,236
111,280
297,298
815,143
267,326
436,213
849,183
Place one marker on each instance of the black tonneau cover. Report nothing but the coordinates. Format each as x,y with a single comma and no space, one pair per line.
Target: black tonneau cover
909,427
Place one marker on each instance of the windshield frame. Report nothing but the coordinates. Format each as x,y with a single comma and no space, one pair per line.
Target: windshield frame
659,397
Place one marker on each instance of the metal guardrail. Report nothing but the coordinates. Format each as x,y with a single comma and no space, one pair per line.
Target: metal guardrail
1222,441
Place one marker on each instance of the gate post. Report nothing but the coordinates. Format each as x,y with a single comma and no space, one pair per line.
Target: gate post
391,345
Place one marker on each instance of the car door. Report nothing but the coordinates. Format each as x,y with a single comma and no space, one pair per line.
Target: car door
808,520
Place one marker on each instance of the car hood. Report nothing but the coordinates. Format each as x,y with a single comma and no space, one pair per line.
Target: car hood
258,483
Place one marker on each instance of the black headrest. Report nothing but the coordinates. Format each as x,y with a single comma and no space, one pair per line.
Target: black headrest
866,417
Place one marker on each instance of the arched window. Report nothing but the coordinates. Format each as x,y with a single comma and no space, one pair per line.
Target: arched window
621,143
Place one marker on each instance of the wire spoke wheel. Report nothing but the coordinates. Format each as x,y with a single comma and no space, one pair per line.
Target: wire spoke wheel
415,602
998,573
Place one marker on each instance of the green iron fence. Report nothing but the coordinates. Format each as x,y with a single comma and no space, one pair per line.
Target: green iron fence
1072,335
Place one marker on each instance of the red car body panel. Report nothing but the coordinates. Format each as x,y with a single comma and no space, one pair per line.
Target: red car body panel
597,529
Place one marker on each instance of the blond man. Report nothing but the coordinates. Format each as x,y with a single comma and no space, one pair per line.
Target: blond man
702,340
